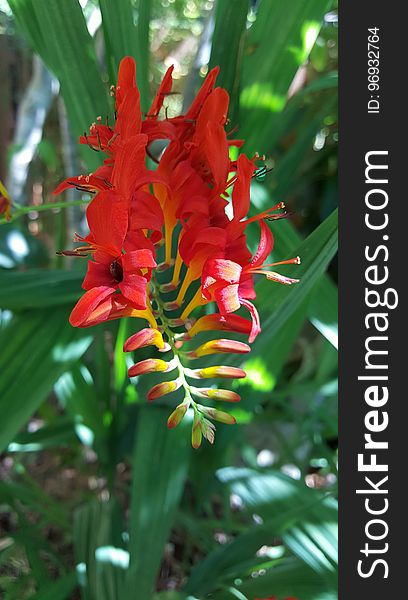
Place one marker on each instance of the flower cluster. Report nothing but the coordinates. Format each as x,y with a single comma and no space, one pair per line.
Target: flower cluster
177,209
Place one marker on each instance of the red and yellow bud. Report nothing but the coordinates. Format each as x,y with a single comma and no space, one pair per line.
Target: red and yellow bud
218,415
196,433
216,394
161,389
176,322
144,337
150,365
218,371
169,306
177,415
219,322
219,347
165,288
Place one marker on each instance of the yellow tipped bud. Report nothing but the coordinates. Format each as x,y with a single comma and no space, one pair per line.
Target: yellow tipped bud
144,337
161,389
177,415
220,347
150,365
219,371
225,395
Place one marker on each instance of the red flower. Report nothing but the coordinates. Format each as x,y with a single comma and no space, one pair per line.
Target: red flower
230,284
181,205
115,266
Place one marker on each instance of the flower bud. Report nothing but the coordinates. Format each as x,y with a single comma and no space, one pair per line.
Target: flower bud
150,365
219,371
216,322
143,338
164,265
219,347
176,322
165,288
169,306
196,433
177,415
216,394
218,415
161,389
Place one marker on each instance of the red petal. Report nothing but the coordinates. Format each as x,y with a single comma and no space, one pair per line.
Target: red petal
126,78
223,270
133,287
199,238
146,212
137,239
138,259
241,191
129,119
107,217
256,323
265,246
130,164
164,88
205,89
98,274
227,298
87,304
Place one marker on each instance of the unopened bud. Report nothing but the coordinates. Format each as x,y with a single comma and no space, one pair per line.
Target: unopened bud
164,265
216,322
161,389
165,288
219,347
175,322
196,433
218,415
171,305
219,371
150,365
143,338
177,415
215,394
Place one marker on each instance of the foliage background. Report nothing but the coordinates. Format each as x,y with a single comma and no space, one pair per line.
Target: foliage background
97,499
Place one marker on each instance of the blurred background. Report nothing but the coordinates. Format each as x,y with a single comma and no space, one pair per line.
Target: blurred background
98,500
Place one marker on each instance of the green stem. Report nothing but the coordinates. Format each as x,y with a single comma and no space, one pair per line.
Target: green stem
23,210
165,326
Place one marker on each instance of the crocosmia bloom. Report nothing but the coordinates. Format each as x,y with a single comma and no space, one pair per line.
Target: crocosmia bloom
163,248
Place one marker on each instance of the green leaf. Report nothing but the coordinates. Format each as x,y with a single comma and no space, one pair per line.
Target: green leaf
99,550
124,38
227,48
57,434
160,463
283,504
39,288
278,42
289,578
37,348
61,588
57,32
316,252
